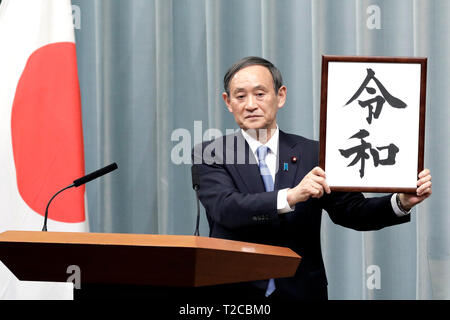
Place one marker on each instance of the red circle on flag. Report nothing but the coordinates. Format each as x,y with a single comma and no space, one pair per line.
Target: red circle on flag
47,136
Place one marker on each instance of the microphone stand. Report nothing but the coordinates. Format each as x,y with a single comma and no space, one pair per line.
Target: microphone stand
44,228
197,233
91,176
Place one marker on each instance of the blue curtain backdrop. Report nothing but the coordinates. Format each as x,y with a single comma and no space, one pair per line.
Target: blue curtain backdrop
149,69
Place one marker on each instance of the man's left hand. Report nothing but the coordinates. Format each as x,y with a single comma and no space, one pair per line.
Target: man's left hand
423,191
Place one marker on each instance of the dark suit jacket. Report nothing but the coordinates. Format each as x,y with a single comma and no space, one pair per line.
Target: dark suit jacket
238,208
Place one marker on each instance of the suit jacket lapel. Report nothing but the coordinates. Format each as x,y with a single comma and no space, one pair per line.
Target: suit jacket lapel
285,177
246,166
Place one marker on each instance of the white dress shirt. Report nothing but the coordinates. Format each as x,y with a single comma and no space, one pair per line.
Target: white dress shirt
272,162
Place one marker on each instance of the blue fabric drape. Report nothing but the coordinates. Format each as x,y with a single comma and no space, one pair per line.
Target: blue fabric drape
151,70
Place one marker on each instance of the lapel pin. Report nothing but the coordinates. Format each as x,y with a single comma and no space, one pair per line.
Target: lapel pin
285,166
293,159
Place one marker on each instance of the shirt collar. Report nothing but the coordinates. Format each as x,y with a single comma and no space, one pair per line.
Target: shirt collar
254,144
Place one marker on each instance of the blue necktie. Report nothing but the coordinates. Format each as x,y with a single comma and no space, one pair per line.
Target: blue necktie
268,184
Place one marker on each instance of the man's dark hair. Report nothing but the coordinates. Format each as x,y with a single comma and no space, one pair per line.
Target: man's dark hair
251,61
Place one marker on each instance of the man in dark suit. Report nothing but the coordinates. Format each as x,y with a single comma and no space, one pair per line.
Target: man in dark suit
251,195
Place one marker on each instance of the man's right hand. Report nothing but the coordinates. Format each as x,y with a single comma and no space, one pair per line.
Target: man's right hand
313,185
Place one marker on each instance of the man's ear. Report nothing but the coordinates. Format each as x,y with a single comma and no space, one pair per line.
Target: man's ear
282,93
227,101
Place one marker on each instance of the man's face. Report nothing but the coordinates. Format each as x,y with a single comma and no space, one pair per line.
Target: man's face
253,100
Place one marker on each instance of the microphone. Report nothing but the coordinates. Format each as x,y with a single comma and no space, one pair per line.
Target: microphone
195,178
94,175
196,187
89,177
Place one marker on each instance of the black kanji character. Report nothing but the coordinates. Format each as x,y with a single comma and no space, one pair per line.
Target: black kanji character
386,96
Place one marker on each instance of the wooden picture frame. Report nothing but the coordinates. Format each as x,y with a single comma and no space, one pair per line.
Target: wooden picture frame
372,122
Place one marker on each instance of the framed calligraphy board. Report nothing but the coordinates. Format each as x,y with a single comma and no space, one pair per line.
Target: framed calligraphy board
372,122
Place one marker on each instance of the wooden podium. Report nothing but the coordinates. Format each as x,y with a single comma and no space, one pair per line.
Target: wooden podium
159,265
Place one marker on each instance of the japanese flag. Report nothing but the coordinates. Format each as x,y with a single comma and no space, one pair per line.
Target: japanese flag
41,138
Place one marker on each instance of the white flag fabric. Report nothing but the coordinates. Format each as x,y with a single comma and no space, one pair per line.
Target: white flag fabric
41,138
